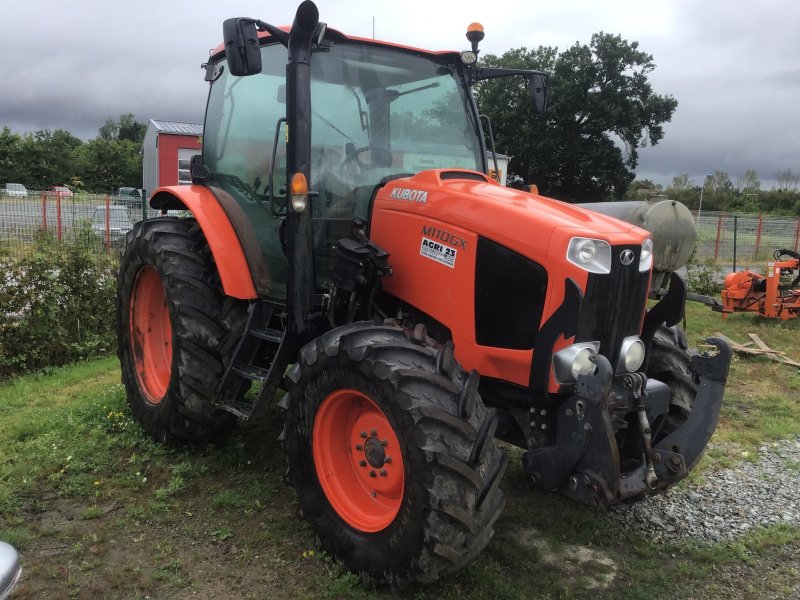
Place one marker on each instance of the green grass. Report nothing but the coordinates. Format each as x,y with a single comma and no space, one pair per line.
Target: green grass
98,508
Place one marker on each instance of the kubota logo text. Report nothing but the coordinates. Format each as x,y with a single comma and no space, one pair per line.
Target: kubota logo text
409,195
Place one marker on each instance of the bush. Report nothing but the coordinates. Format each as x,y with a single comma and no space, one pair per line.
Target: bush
56,304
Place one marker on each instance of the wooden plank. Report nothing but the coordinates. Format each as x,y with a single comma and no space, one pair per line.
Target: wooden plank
760,343
763,350
783,359
737,347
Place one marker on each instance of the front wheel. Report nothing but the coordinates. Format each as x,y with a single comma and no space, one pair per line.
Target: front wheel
392,454
671,363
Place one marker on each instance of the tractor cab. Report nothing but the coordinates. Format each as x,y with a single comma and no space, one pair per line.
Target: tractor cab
377,112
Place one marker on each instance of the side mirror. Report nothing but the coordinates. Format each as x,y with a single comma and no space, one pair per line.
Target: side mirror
537,87
241,46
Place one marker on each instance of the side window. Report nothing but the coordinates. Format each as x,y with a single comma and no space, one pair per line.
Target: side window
240,125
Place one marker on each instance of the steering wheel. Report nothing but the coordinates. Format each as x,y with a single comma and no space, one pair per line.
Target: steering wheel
354,167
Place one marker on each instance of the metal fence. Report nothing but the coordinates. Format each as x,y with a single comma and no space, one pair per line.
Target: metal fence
102,219
736,242
732,241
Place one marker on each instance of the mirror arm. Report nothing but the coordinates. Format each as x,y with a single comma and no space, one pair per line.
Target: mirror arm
483,73
278,34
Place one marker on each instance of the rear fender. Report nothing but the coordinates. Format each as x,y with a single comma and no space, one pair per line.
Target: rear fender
226,248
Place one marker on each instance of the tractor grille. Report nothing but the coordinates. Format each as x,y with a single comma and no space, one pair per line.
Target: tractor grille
613,304
510,291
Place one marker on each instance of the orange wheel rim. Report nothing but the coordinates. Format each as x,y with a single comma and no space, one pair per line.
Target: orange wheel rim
151,335
358,460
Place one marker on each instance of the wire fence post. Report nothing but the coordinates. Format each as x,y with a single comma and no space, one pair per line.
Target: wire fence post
797,234
719,232
44,211
58,216
735,236
108,224
758,235
144,204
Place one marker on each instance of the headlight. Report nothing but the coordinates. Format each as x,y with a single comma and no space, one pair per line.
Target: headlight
631,355
646,257
590,255
575,360
468,57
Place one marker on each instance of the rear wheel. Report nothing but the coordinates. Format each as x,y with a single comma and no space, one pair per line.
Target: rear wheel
392,454
176,330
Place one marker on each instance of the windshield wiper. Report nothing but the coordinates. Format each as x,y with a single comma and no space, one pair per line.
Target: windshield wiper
332,126
394,94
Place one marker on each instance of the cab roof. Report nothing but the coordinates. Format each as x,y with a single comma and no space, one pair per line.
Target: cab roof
335,35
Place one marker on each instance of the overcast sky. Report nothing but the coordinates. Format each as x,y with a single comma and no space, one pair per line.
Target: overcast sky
733,66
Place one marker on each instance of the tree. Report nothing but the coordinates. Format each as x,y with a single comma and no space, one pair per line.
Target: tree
602,110
9,155
749,183
126,128
719,182
787,180
130,129
46,158
641,188
680,183
108,164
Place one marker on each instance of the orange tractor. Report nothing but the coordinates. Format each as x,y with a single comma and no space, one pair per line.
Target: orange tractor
768,296
346,245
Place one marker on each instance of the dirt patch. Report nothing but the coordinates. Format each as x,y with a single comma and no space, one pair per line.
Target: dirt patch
582,568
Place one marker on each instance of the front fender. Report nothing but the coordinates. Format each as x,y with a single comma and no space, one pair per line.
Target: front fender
226,248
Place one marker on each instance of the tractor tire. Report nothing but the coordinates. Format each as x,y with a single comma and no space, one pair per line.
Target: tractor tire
391,452
176,331
670,363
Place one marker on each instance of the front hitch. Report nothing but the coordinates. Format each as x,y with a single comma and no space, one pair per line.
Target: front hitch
585,462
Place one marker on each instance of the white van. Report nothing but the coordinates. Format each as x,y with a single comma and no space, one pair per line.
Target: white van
15,189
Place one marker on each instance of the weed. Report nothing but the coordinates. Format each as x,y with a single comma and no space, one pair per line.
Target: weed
90,512
222,534
17,537
227,500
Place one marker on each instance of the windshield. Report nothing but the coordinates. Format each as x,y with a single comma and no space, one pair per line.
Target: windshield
387,112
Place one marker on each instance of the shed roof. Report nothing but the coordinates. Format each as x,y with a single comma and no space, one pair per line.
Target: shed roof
177,127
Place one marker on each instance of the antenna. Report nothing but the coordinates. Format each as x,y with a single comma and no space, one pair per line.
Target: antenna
373,27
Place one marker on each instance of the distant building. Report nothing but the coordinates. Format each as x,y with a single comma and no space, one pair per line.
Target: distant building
166,151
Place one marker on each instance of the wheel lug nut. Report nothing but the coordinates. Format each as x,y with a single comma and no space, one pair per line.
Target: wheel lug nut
384,443
364,434
374,432
359,447
388,460
362,463
383,472
372,473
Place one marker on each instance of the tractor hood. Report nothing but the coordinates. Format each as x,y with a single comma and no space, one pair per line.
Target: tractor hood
517,219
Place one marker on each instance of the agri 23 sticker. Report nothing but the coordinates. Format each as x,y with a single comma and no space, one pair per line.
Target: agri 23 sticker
438,252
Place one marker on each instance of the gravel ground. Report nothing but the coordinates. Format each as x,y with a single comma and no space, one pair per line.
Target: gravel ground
726,503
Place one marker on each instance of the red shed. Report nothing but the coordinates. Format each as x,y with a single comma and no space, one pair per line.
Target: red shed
167,148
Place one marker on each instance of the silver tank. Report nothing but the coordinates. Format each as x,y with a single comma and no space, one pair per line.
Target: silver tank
670,223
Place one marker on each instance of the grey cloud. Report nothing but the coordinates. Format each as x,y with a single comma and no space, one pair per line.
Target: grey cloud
734,66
